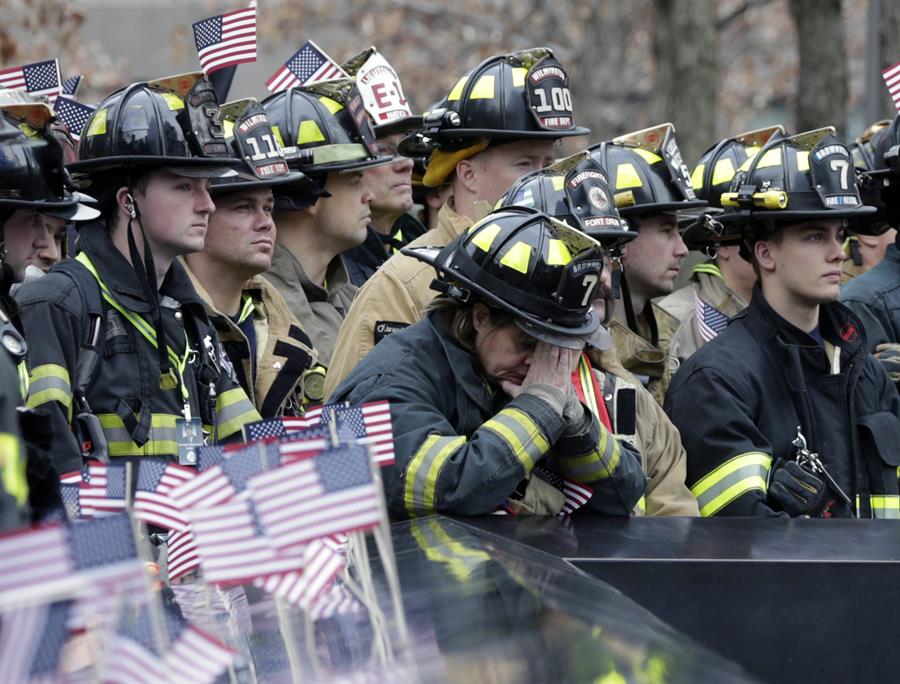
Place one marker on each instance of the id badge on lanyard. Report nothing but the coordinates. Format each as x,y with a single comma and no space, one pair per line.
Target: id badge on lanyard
189,431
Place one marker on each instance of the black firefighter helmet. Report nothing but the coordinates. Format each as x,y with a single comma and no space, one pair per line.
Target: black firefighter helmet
171,122
538,269
646,172
324,127
794,179
574,190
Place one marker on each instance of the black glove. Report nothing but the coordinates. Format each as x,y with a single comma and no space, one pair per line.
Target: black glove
797,490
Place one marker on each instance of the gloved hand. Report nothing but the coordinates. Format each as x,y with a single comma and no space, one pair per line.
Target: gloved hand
889,355
797,490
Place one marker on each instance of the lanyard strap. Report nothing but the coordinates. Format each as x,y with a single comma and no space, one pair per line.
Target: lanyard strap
141,325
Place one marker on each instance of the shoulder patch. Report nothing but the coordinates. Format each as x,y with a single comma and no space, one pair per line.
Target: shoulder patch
385,328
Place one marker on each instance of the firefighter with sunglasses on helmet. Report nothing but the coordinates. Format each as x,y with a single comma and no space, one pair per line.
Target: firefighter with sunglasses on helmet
485,413
126,353
786,413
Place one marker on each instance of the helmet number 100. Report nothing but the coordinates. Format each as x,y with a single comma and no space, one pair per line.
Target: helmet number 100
560,100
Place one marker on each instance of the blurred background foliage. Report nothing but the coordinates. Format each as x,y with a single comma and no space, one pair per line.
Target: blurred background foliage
712,68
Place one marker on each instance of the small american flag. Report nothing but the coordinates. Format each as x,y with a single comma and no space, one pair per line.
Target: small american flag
31,641
133,656
334,491
73,114
193,656
226,39
892,80
181,553
209,607
70,85
70,495
39,78
223,481
232,546
576,494
710,321
308,65
335,600
208,456
49,561
152,503
103,489
369,424
323,560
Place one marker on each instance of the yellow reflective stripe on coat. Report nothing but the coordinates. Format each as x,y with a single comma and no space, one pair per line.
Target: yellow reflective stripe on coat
737,476
598,464
886,506
522,435
141,325
47,383
12,466
163,438
233,411
460,560
420,478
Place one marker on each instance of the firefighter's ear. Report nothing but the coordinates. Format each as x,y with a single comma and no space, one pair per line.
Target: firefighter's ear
764,251
125,201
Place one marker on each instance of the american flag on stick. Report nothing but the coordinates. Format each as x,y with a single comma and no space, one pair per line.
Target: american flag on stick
73,114
103,489
55,561
181,553
892,80
70,85
323,560
308,65
710,321
233,549
31,641
369,424
152,504
226,39
330,492
39,78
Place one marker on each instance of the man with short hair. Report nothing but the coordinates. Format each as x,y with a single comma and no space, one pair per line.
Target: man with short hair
334,144
271,354
785,413
651,186
126,353
484,135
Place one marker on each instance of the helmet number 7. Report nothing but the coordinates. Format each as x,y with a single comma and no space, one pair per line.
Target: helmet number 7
588,282
844,166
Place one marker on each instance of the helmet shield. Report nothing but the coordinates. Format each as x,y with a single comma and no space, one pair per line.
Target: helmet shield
833,178
548,96
379,86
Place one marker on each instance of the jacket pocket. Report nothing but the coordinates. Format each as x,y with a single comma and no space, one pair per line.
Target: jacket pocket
880,433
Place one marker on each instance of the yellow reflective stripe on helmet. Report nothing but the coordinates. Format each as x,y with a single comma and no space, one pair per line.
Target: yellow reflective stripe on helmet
309,132
517,257
485,237
420,478
456,91
47,383
460,560
233,411
174,101
12,466
333,106
277,133
723,172
98,123
24,384
624,199
228,127
521,434
770,158
598,464
484,88
647,155
627,177
558,182
709,269
697,176
802,160
163,438
557,253
518,77
737,476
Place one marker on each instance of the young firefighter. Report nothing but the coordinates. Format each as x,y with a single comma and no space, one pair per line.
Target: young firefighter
326,135
126,352
271,354
651,185
785,413
498,122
